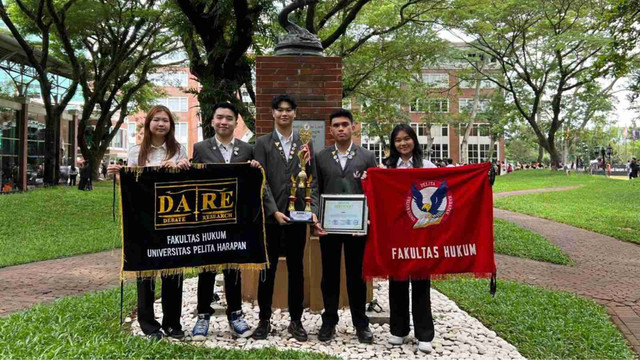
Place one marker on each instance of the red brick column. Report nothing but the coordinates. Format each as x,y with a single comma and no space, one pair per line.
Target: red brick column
314,82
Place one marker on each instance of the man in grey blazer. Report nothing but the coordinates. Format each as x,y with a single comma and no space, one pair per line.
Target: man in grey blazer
222,148
340,168
277,152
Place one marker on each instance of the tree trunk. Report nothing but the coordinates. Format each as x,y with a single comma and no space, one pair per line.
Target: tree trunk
52,150
555,156
464,148
492,140
540,153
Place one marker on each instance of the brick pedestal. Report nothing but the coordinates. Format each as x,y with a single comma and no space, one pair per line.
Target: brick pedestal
316,85
314,82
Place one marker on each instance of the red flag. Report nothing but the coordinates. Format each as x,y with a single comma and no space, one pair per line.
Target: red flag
429,221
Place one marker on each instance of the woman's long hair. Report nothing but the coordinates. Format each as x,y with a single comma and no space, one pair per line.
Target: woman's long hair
173,147
394,154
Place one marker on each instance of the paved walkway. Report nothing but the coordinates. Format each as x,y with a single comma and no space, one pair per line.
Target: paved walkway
23,286
606,269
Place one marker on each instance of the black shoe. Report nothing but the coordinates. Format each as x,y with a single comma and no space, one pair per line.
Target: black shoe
263,330
156,335
365,335
175,333
297,330
327,332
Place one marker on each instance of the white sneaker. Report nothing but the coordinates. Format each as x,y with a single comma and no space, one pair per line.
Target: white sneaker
398,340
425,346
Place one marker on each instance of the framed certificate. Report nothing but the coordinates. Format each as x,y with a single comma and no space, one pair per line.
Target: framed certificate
344,214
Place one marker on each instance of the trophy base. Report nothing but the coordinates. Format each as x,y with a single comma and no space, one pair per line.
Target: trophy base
301,216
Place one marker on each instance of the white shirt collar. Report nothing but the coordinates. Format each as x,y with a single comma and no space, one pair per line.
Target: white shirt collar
283,139
409,162
348,150
221,144
163,146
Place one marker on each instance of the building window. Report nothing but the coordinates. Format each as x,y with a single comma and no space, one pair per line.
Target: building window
173,79
9,149
465,105
436,80
437,152
377,150
118,140
430,105
471,84
480,153
132,127
445,130
175,104
182,133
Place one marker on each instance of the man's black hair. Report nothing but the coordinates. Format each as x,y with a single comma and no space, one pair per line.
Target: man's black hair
284,97
341,113
225,105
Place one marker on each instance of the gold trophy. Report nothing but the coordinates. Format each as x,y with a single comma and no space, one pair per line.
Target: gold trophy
302,181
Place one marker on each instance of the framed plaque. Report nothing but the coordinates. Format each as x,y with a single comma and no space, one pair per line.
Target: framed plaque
344,213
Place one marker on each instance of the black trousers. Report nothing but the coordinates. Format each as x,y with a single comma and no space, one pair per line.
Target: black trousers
291,240
72,180
232,290
331,249
421,308
171,303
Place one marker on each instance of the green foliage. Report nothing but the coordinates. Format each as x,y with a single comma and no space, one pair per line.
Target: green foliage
88,327
56,222
605,206
510,239
548,54
542,324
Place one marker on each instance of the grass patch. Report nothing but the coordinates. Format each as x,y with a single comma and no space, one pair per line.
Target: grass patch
540,179
542,324
88,327
608,207
55,222
511,239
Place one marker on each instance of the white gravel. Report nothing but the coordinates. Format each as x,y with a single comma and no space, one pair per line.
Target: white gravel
458,335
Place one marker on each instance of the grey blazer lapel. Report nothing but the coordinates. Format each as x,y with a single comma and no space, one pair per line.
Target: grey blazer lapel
235,151
279,149
215,151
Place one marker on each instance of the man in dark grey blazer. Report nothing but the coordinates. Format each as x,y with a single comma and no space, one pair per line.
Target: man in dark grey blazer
277,152
222,148
340,168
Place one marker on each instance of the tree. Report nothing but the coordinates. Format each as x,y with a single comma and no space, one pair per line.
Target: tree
546,49
33,18
111,55
220,34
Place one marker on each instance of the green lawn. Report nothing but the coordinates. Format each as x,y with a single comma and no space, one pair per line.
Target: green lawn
542,324
538,179
511,239
56,222
88,327
610,207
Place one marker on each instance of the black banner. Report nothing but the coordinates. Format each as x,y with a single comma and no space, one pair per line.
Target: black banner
208,217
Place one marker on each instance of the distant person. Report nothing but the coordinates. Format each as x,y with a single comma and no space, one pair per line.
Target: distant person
73,174
509,169
450,162
103,168
634,169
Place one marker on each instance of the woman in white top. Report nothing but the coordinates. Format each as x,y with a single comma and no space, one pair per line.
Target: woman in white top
159,148
406,152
